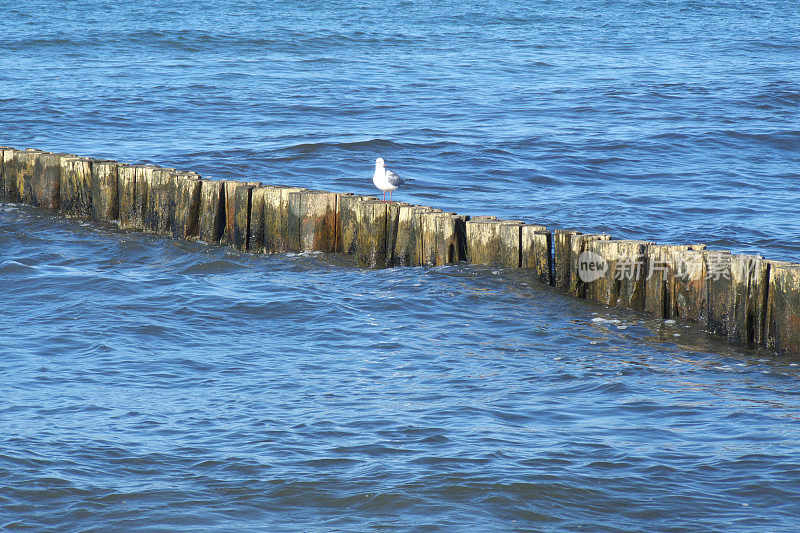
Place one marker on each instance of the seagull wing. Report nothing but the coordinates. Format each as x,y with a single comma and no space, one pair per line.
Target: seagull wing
393,179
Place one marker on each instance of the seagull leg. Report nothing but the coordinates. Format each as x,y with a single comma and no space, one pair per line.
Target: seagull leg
384,196
390,196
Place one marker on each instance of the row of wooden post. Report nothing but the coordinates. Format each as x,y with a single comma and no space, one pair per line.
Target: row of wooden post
746,298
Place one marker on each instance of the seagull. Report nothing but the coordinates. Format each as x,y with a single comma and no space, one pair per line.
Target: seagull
385,179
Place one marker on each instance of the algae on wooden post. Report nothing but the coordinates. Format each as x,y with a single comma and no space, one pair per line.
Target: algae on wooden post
211,215
747,307
783,308
536,253
392,227
451,238
105,196
75,188
241,217
186,217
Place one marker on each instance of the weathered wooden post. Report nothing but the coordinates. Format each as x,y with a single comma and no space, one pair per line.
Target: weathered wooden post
562,257
255,239
347,238
186,216
132,190
313,221
38,177
392,229
211,211
749,292
243,197
371,236
623,284
783,308
494,242
278,223
450,237
408,247
691,289
158,214
105,195
536,253
229,202
75,187
8,182
579,244
718,290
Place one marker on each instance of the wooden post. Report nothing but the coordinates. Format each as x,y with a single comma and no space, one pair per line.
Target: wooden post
35,186
243,197
347,238
624,282
783,308
75,187
392,229
660,283
212,211
105,195
316,216
8,184
450,233
579,243
408,248
158,215
718,290
278,226
562,257
536,253
494,242
749,292
186,217
255,239
371,236
229,202
691,289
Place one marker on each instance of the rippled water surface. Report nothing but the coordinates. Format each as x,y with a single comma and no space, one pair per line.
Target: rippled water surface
154,384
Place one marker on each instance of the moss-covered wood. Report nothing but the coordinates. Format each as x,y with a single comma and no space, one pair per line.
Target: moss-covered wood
211,211
536,253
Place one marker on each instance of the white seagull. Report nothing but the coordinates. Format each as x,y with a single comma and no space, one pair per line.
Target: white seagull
385,179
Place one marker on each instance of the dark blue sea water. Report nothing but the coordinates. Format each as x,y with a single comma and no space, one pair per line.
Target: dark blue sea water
152,384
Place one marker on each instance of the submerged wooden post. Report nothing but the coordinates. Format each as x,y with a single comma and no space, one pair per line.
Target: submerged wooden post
536,253
450,237
392,230
105,195
783,308
186,216
211,211
229,203
748,303
133,184
75,187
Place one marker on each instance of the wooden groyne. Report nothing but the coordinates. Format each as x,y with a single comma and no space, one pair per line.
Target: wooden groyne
748,299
